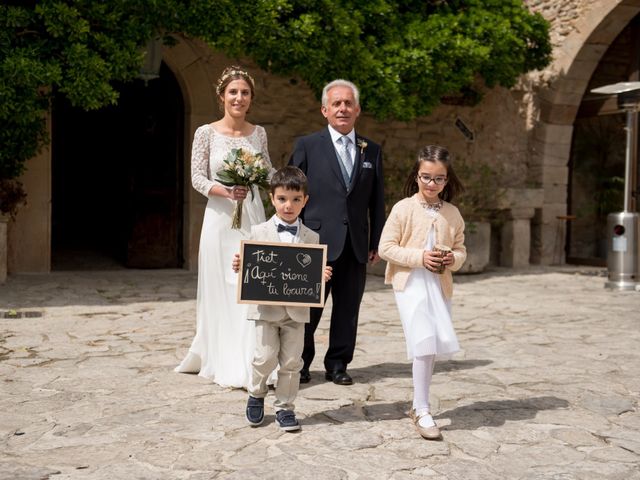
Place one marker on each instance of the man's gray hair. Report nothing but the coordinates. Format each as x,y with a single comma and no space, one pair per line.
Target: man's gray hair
340,83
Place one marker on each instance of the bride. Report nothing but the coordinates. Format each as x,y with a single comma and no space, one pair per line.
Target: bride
223,346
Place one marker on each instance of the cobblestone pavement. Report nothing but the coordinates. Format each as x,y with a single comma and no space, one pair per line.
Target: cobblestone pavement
546,386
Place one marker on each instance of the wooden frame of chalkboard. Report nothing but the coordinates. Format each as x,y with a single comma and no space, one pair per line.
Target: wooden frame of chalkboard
273,273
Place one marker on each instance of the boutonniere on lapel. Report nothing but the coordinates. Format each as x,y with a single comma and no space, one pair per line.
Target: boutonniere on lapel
362,144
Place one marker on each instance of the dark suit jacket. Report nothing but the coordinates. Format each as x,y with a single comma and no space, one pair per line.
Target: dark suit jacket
333,209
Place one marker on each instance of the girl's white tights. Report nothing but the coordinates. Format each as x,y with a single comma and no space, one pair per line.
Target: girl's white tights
422,372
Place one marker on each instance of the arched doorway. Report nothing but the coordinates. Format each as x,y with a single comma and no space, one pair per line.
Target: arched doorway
596,165
117,180
575,60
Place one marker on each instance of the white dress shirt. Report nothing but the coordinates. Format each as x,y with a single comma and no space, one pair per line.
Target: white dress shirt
336,135
288,237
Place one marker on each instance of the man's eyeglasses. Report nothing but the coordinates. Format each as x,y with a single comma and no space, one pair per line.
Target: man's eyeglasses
427,179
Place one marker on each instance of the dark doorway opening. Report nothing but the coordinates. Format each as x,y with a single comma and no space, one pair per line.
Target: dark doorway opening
117,178
596,185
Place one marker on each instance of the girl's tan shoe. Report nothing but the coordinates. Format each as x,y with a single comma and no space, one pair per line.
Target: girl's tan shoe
430,433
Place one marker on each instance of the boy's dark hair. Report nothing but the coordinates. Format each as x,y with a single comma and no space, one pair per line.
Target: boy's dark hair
289,178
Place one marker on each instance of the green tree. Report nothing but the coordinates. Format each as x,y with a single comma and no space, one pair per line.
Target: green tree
405,55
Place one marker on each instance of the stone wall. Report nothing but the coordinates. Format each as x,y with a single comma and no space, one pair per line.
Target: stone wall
563,15
527,129
287,108
29,236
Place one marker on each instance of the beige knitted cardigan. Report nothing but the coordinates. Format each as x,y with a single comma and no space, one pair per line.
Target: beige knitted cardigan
405,235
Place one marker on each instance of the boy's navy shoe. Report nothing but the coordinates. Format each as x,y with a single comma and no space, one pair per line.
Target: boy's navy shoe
255,411
286,420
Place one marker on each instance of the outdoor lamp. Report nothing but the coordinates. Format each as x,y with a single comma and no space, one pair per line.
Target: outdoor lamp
150,69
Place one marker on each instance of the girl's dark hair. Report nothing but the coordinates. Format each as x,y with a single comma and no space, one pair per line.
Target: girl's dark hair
229,75
434,153
289,178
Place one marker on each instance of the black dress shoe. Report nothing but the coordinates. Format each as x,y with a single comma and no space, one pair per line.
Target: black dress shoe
339,377
305,376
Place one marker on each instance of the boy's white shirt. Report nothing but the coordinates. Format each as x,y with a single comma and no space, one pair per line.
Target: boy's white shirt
287,237
268,232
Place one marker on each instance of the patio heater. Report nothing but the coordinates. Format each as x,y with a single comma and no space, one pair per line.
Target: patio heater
623,227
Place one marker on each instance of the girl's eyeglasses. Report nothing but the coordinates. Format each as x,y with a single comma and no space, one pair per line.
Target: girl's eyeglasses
427,179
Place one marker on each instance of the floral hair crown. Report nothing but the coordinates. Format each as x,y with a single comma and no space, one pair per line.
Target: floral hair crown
233,73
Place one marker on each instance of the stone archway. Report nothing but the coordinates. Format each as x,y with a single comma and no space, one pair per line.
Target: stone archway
598,150
576,60
29,244
195,67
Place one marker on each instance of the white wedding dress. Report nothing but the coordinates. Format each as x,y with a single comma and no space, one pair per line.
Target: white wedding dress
223,347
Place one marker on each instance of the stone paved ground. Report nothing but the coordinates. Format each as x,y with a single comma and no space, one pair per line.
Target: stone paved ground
547,387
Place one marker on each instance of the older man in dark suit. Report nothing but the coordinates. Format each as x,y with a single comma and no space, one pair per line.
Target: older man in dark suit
346,207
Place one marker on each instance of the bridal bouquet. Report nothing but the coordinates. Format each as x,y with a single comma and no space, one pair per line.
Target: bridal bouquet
246,169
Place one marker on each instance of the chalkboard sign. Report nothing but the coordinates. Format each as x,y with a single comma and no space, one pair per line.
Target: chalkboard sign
282,273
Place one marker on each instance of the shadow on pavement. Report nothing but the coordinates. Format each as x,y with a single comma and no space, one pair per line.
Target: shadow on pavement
374,412
397,370
493,271
495,413
96,288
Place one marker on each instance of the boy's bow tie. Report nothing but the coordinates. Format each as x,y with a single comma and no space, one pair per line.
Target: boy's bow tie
292,229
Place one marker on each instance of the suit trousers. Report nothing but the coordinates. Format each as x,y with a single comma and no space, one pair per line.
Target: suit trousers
346,287
279,341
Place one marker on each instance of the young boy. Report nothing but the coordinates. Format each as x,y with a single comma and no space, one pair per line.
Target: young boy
280,329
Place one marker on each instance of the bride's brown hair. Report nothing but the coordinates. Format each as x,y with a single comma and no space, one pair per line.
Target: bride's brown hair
234,73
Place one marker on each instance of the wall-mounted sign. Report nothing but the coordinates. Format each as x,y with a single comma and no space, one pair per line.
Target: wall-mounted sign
466,131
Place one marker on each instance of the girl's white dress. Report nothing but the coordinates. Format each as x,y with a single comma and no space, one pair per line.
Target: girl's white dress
223,347
425,313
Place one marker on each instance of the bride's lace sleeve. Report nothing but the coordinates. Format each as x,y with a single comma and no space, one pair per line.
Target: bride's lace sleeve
200,161
264,148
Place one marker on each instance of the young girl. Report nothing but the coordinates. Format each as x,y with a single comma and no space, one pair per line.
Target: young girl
415,226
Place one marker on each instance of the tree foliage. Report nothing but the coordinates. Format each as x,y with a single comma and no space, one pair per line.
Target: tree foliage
404,55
